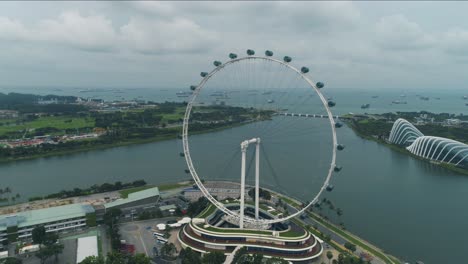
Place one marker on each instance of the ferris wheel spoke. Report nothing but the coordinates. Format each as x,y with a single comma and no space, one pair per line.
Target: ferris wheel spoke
282,86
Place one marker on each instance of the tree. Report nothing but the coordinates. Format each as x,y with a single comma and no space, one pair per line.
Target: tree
11,260
276,260
38,235
44,253
168,250
257,259
329,256
56,249
237,257
139,258
188,256
350,246
93,260
214,257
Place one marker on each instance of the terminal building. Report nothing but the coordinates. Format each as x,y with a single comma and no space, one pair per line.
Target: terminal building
61,219
72,217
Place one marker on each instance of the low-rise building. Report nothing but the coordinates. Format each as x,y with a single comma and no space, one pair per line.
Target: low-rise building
60,219
135,203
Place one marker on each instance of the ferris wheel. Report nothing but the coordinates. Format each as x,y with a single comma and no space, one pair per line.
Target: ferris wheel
280,107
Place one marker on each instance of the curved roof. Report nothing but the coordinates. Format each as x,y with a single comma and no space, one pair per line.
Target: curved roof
440,149
403,132
428,147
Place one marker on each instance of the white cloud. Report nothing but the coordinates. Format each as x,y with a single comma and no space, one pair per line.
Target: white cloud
162,36
12,29
455,41
70,28
397,32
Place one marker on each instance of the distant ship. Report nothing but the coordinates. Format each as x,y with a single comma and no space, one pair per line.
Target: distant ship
266,93
402,95
465,97
424,98
398,102
270,101
375,96
365,106
183,94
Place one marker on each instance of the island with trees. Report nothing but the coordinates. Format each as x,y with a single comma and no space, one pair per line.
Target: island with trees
37,126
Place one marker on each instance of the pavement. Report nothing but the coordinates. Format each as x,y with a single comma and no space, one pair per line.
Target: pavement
140,235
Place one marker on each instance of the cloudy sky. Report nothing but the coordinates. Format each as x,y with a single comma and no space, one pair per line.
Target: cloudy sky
372,45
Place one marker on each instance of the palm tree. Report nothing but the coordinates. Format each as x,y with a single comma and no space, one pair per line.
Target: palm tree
329,256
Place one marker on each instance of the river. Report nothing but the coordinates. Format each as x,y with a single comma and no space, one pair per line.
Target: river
410,208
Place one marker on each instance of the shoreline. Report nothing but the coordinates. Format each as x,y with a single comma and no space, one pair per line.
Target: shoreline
113,145
404,151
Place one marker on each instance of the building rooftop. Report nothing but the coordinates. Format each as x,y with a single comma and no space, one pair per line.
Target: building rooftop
87,246
133,197
46,215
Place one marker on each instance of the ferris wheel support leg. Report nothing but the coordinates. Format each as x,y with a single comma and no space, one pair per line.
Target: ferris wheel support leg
257,178
242,190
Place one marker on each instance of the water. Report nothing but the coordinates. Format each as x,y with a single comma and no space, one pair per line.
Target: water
408,207
348,100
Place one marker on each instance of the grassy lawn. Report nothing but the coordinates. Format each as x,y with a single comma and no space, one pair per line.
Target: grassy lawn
209,210
59,122
124,193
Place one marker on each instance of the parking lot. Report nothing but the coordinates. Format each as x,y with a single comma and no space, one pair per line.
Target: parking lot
140,235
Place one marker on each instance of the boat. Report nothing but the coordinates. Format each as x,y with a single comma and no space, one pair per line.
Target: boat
365,106
399,102
424,98
375,96
266,93
270,101
183,94
465,97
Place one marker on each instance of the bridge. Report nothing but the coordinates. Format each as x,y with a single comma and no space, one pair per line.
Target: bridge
306,115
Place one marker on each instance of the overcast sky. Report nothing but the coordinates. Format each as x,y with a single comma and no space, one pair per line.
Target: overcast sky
372,45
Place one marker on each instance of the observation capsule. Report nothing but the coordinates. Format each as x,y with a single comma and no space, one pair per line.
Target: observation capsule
269,53
187,171
330,187
203,74
182,154
338,124
287,59
250,52
337,168
340,147
232,56
193,87
331,103
217,63
320,85
304,70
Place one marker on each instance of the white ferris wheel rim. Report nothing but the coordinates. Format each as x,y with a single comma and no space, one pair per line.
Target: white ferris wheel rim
188,158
